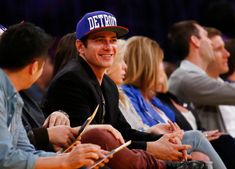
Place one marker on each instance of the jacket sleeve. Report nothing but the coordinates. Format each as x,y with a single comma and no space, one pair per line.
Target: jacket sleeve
70,96
201,89
23,155
40,139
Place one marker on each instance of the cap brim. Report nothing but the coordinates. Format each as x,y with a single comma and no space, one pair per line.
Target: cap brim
2,29
119,30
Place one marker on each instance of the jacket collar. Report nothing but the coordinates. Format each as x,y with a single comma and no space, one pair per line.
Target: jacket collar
8,88
187,65
88,70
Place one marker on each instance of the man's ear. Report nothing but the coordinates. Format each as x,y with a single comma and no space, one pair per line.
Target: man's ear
80,46
33,67
195,40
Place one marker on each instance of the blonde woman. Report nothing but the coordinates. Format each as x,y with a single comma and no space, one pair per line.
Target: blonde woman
117,74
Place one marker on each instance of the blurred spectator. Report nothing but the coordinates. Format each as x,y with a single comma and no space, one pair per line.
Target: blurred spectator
190,83
230,75
66,50
38,89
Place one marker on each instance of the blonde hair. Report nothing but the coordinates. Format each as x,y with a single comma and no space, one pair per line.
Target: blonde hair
119,55
143,56
163,83
118,58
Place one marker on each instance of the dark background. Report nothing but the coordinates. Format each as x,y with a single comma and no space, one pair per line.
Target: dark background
151,18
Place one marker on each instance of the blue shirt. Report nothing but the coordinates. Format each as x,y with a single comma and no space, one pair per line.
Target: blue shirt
16,152
148,115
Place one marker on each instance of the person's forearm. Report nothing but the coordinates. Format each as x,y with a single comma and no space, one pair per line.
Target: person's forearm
149,146
51,163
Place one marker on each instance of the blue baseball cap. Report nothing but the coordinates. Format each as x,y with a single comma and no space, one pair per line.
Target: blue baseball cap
99,21
2,29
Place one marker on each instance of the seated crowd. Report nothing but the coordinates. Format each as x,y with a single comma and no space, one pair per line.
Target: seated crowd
186,122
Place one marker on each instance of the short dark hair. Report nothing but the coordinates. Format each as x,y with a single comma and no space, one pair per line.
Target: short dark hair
212,32
179,37
22,43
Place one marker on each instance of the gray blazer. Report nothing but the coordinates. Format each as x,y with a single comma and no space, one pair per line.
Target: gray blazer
192,85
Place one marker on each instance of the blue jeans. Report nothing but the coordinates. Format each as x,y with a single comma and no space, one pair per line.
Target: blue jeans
200,143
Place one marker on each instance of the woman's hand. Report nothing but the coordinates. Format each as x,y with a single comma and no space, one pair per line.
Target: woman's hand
161,128
212,134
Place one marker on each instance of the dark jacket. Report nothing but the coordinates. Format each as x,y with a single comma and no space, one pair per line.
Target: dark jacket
179,118
33,119
75,90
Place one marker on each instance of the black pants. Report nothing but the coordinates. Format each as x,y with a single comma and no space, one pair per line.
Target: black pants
225,147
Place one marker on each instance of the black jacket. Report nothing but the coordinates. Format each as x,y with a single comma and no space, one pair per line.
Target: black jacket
179,118
33,118
76,91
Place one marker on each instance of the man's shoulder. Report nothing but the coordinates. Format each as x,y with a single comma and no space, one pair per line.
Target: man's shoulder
184,74
109,83
73,71
177,76
181,80
108,80
7,90
72,66
180,71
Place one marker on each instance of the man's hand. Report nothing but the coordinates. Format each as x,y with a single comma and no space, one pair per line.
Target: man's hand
102,164
176,128
84,155
165,149
165,128
62,136
56,118
212,134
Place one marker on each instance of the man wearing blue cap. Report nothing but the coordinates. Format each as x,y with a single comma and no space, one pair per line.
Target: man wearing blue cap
82,85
